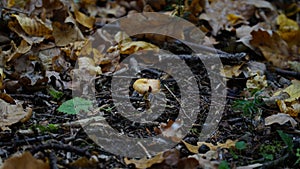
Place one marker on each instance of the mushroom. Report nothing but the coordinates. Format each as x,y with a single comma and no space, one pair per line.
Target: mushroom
145,86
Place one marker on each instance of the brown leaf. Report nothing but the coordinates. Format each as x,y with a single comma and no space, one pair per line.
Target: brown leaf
24,161
274,49
10,114
280,118
65,34
144,162
84,20
34,26
194,149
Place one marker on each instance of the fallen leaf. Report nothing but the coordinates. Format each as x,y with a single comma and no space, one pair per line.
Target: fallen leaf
288,28
291,109
293,90
205,163
24,161
194,149
1,79
10,114
65,33
280,118
83,162
218,12
34,26
172,130
231,71
84,20
257,81
273,48
144,162
132,47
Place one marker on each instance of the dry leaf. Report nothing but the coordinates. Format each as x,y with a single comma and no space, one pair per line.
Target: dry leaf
14,26
10,114
144,162
231,71
280,118
293,90
288,28
65,34
291,109
205,163
172,130
219,12
132,47
1,79
84,20
24,161
34,26
257,81
274,49
194,149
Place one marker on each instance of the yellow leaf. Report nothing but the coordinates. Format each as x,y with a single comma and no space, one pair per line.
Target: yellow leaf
293,90
132,47
280,118
233,18
194,149
34,26
144,162
257,81
84,20
288,29
231,71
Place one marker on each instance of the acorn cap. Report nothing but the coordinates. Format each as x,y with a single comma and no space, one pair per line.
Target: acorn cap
143,85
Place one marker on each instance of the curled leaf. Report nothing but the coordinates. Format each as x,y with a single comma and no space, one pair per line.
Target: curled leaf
280,118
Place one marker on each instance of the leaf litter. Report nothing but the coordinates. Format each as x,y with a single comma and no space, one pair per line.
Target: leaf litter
40,42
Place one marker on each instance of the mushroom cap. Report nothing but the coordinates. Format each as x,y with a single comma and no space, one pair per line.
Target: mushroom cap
144,85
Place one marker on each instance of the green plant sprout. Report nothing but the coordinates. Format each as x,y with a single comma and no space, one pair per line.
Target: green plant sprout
249,107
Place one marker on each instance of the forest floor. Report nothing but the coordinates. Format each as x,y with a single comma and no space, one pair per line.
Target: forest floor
149,84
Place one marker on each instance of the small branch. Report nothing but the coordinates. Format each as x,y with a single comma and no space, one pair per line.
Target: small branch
287,73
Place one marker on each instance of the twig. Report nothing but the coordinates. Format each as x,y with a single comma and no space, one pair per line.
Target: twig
55,146
53,160
288,73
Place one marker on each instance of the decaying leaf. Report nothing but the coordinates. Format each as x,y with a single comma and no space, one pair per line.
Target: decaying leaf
172,130
1,79
144,162
84,20
194,149
83,162
293,90
231,71
291,108
257,81
274,49
132,47
24,161
288,28
10,114
219,12
34,26
205,163
65,33
280,118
